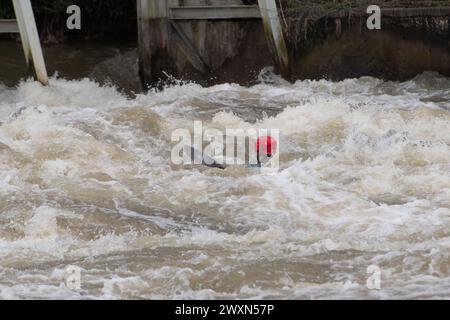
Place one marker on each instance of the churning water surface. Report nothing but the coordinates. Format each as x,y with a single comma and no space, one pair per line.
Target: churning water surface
86,180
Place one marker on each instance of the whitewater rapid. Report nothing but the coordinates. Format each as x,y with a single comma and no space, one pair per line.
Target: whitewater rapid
86,180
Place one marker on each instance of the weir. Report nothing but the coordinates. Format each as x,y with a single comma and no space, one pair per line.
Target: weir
232,41
25,24
201,40
216,41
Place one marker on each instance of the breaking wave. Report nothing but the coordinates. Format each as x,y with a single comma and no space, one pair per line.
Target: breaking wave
86,180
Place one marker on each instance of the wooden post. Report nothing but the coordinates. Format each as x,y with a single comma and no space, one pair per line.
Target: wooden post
154,35
23,34
152,9
30,39
275,37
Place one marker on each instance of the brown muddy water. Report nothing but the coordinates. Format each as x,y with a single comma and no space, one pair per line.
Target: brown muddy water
86,180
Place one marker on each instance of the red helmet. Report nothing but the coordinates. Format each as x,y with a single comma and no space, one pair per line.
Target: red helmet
266,146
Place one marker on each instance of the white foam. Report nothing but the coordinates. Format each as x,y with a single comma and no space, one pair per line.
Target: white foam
364,180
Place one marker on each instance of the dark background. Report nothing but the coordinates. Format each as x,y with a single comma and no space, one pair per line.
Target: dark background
99,19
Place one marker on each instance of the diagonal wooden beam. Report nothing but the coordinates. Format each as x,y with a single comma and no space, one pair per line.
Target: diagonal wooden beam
188,49
275,36
30,38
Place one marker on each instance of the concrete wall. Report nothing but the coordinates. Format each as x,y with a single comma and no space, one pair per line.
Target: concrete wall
401,50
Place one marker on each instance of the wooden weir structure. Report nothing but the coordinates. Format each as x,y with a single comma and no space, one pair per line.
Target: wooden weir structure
169,27
198,38
164,25
170,13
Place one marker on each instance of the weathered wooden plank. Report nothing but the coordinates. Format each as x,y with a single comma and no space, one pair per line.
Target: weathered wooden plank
153,9
399,12
185,45
215,12
23,34
154,33
416,12
8,26
30,38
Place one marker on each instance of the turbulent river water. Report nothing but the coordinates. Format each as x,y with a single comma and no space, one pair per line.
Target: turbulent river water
86,180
